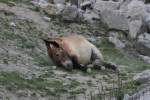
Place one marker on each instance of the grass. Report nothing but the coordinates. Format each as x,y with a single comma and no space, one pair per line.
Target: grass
14,81
8,1
42,60
114,55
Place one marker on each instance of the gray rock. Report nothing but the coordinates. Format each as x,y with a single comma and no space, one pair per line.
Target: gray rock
124,3
90,16
50,10
142,77
126,96
60,8
116,42
41,3
86,4
143,44
12,24
47,18
148,8
142,94
145,58
128,18
59,1
115,19
135,28
70,13
136,10
147,22
102,5
114,38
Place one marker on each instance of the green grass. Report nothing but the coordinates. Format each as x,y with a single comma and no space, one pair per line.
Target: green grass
20,40
112,54
42,60
8,1
14,81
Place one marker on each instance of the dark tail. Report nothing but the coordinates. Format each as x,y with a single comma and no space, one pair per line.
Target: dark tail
110,66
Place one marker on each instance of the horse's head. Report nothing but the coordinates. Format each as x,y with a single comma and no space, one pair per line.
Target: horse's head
58,55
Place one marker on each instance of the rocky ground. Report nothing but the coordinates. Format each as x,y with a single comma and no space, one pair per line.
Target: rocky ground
27,73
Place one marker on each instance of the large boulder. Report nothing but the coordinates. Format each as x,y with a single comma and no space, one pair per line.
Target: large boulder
135,27
71,13
110,15
59,1
142,77
99,6
143,44
136,10
91,16
123,15
115,19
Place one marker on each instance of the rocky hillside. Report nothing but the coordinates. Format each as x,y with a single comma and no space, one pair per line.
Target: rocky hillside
119,28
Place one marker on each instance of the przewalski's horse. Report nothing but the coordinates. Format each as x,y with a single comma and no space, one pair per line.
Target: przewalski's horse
75,51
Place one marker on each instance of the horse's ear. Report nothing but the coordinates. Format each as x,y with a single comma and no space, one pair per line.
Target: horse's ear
54,44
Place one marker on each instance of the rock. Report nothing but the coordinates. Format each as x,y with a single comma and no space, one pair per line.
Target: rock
90,16
115,19
135,28
143,44
147,22
70,13
116,42
136,9
41,3
128,18
142,77
86,4
99,6
60,8
142,93
47,18
114,38
136,12
124,4
126,96
54,67
148,8
145,58
59,1
12,24
50,10
88,70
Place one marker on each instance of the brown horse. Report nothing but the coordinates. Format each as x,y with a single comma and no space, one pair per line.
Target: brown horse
75,51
